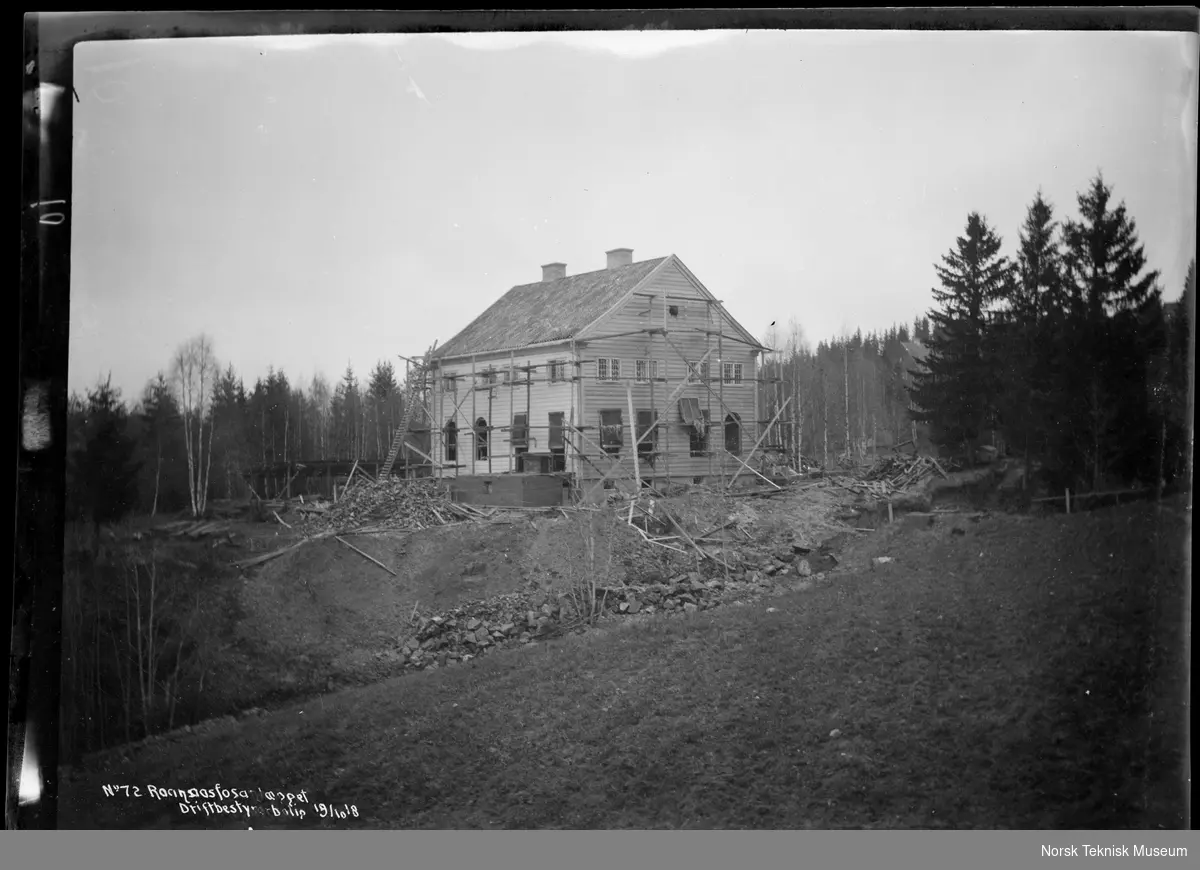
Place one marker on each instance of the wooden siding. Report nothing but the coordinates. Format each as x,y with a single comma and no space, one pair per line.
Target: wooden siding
498,405
685,331
582,400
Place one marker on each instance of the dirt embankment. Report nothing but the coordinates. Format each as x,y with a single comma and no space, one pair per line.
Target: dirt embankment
999,671
322,616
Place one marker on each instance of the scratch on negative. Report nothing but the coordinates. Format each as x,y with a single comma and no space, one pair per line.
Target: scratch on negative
35,423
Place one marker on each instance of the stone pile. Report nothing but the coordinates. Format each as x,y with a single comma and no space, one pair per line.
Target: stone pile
469,632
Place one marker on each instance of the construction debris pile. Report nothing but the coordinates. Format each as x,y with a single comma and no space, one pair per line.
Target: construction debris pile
893,474
390,504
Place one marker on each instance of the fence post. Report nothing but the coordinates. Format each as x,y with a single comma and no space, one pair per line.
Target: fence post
1068,500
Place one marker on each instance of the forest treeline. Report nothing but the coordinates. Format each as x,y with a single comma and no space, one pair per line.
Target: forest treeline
192,433
1061,353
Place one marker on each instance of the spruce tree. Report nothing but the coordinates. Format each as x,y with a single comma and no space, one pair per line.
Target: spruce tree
1026,339
956,394
1115,328
108,466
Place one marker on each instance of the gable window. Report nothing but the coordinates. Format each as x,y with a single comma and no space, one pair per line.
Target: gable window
731,373
645,370
733,434
648,446
558,371
608,369
451,436
520,433
481,440
612,435
698,435
698,370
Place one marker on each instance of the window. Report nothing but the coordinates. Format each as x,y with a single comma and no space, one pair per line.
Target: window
520,433
489,376
451,435
731,373
608,369
481,440
698,370
612,435
558,371
699,436
733,434
649,445
558,447
556,431
645,370
450,384
673,310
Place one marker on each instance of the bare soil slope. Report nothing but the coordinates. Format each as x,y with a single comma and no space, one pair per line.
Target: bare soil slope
1005,673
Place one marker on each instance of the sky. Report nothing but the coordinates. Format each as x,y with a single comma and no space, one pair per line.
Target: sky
312,203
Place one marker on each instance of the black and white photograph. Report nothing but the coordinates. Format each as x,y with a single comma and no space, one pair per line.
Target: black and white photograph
626,429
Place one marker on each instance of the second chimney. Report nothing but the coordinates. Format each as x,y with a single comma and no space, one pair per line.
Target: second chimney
618,257
553,271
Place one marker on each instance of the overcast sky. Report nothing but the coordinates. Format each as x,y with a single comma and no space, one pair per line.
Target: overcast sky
314,202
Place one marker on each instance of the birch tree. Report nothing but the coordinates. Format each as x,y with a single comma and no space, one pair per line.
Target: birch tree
796,348
194,373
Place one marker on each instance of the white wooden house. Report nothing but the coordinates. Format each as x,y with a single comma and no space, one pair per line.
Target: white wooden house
565,374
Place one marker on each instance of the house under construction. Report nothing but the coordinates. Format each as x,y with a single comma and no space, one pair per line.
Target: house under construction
634,373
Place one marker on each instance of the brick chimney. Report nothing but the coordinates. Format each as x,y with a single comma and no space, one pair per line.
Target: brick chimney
553,271
618,257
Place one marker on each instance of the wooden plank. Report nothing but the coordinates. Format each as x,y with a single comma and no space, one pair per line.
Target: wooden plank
760,441
725,409
650,540
342,540
637,470
426,457
671,400
683,534
751,470
266,557
617,463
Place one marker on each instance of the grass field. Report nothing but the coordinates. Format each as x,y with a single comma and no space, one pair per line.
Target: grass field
1007,673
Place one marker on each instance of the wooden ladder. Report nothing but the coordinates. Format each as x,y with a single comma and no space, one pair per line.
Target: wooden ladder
414,386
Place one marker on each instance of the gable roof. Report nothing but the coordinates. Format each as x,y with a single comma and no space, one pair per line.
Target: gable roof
547,310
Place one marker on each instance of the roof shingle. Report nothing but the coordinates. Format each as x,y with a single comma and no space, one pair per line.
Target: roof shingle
546,311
